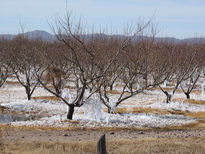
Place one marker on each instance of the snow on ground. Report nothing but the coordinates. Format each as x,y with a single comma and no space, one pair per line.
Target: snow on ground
91,113
92,116
33,106
114,120
180,106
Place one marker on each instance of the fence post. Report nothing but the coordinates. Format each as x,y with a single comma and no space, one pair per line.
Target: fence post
101,145
1,142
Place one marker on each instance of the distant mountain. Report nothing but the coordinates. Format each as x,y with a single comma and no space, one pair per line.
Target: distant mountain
7,36
38,34
194,40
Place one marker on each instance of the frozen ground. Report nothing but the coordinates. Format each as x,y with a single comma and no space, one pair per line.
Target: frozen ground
92,114
57,117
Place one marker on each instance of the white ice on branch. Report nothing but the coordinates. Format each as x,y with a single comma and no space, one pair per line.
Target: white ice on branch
67,95
93,109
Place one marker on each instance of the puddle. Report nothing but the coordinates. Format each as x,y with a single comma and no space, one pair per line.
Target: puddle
7,116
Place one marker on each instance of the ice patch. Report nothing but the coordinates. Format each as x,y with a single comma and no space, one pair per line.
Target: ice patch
93,109
66,94
115,120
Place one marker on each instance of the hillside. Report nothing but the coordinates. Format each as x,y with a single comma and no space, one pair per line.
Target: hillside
39,34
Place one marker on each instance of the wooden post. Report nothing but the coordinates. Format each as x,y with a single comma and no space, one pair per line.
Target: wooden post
101,145
1,142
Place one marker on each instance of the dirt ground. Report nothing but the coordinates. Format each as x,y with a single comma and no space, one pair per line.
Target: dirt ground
39,141
89,135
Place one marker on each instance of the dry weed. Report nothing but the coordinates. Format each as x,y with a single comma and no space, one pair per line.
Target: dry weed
49,98
11,76
12,83
70,87
113,92
124,146
192,101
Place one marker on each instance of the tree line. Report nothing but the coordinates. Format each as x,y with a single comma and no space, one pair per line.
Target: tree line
100,65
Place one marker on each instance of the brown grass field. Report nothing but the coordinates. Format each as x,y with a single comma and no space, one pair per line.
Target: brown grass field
124,146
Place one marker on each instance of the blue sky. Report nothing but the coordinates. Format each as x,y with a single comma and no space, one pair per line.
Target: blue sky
175,18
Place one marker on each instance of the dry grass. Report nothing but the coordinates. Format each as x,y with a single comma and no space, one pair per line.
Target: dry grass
70,87
197,115
71,128
118,85
166,89
11,76
12,83
49,98
196,125
141,110
171,89
192,101
170,84
50,147
50,86
71,80
153,145
113,92
178,99
123,146
196,92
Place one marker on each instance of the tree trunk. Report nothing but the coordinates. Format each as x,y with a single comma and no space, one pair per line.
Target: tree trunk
111,87
168,97
187,95
28,93
57,89
28,96
70,112
110,110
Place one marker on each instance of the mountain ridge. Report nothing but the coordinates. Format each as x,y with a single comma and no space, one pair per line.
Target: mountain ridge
44,35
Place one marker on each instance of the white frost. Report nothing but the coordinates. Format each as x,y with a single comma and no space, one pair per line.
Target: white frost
178,106
67,95
91,114
93,109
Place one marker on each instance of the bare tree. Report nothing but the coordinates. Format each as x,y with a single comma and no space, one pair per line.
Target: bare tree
23,57
84,59
4,61
181,67
55,68
188,84
142,67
